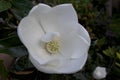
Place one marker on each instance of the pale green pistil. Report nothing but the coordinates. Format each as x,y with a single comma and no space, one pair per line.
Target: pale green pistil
52,46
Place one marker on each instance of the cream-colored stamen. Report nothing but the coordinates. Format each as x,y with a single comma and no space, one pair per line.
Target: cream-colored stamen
52,46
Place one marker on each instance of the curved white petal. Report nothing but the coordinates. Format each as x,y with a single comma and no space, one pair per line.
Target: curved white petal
29,31
83,33
58,66
73,45
59,15
40,67
49,67
30,34
74,65
39,9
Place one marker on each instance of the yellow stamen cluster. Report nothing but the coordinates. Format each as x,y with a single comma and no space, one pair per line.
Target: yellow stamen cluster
52,46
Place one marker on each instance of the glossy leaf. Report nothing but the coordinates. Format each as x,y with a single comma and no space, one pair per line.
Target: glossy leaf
18,51
21,7
10,41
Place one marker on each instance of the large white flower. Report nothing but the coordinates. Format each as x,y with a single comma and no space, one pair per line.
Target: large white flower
56,42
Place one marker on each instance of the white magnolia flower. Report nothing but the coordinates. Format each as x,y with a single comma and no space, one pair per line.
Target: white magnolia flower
99,73
56,42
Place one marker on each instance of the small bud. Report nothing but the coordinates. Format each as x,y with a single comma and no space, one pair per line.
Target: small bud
99,73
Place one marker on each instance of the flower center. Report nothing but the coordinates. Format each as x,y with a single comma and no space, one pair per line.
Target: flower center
52,46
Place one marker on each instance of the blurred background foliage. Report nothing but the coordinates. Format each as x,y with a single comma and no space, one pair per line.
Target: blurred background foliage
101,19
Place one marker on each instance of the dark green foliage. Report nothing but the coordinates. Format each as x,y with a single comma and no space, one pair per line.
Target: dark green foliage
20,8
4,5
115,25
104,33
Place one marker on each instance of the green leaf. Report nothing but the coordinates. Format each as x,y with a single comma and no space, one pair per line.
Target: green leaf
21,7
4,5
118,64
115,26
3,71
23,63
18,51
101,41
116,72
80,76
10,41
118,55
110,52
